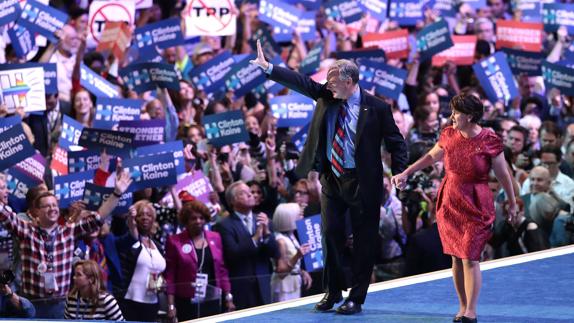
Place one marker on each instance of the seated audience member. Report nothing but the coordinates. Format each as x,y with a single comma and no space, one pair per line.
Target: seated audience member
11,304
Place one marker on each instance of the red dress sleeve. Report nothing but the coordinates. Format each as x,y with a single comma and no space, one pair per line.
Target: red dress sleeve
445,134
493,144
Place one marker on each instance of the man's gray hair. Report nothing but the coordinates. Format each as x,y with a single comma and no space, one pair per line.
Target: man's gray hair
347,70
230,193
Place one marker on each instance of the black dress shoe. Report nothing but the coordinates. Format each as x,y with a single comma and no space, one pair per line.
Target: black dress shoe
457,319
469,320
349,307
328,301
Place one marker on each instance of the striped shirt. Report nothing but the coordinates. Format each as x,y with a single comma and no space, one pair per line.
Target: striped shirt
55,250
80,309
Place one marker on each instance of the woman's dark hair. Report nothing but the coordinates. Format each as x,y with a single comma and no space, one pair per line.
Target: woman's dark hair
468,104
191,207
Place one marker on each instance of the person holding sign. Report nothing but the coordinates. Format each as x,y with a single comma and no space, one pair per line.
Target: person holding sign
465,207
344,144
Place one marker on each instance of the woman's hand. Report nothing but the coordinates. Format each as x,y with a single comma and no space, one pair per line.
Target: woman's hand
400,180
307,280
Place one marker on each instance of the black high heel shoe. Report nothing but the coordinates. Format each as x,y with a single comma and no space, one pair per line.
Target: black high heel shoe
457,319
469,320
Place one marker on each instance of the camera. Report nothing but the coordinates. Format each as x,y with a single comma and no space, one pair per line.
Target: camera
223,158
6,277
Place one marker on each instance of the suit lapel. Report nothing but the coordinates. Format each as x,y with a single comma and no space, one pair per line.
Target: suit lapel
363,111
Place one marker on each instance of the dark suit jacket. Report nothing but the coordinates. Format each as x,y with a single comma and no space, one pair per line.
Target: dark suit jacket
245,261
375,124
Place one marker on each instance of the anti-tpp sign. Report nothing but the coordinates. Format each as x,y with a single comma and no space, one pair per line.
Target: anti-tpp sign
104,11
210,18
225,128
292,110
309,231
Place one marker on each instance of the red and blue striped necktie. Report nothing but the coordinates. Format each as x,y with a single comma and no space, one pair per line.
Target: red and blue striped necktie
337,148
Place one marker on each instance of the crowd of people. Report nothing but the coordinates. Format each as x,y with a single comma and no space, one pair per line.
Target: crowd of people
185,258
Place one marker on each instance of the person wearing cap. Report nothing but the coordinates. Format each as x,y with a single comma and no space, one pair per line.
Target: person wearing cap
201,54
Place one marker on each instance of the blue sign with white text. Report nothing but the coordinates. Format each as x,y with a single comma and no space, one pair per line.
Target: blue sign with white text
495,77
42,19
8,122
522,62
300,137
146,132
110,111
309,232
346,10
244,77
225,128
151,171
18,183
280,15
163,34
95,195
71,132
406,12
387,80
555,15
377,8
9,11
96,84
22,40
312,61
14,147
530,10
116,143
84,160
210,76
70,188
433,39
174,147
558,76
143,77
292,110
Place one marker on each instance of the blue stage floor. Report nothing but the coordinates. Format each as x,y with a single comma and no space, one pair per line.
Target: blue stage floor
534,291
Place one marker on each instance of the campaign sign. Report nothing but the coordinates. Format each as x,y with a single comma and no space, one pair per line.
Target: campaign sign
292,110
347,10
558,76
244,77
495,77
71,132
569,53
281,16
269,86
173,147
84,160
96,84
163,34
270,48
306,28
110,111
116,143
33,166
394,43
522,62
475,4
59,162
18,183
526,36
225,128
146,132
9,11
433,39
151,171
143,77
196,184
210,76
530,10
461,53
555,15
42,19
311,63
388,80
102,11
368,53
8,122
309,231
70,188
445,8
14,147
377,8
210,18
300,137
22,40
94,195
23,87
406,12
50,74
124,204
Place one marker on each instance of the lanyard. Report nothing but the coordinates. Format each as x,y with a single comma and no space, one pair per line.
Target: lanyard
47,248
149,251
200,268
84,306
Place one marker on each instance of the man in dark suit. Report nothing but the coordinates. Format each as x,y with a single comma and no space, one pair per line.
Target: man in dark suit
344,144
248,246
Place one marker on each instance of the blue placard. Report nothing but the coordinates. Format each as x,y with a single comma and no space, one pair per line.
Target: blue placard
522,62
225,128
22,40
309,232
300,137
95,195
475,4
270,48
555,15
569,53
308,4
14,147
42,19
96,84
71,132
292,110
146,132
312,62
209,77
376,54
406,12
496,79
269,86
151,171
84,160
244,77
9,11
8,122
143,77
110,111
18,183
50,74
346,10
163,34
174,147
280,15
530,10
377,8
558,76
387,80
433,39
70,188
116,143
124,204
306,27
445,8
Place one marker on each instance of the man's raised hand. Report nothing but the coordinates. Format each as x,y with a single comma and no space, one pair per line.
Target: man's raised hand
260,60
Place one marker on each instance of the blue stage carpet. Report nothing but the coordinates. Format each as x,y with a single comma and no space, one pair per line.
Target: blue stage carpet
536,291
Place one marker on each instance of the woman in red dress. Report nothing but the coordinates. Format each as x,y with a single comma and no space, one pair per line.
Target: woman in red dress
465,206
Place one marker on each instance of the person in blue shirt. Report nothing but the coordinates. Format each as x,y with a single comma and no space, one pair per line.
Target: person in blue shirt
12,305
